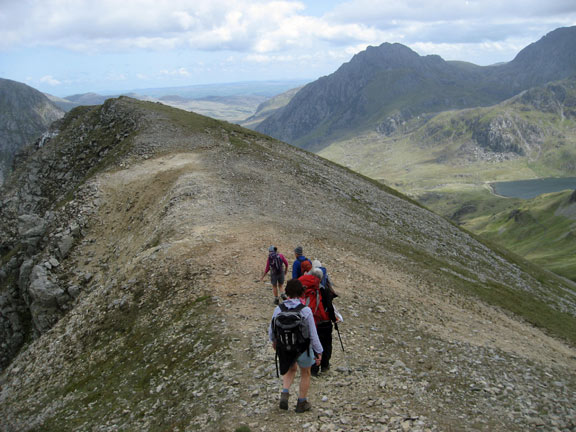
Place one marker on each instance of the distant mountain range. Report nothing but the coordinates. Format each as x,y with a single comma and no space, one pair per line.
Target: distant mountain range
390,84
26,114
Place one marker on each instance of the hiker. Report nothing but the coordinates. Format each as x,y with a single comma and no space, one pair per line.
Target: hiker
319,298
306,352
275,265
296,266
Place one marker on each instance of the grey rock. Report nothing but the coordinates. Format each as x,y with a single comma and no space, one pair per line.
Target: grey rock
65,245
30,225
24,277
42,289
74,291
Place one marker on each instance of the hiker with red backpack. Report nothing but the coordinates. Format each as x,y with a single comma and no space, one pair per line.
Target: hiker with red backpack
297,265
278,267
293,334
319,298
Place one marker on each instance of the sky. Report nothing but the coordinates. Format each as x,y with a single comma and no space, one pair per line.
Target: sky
65,47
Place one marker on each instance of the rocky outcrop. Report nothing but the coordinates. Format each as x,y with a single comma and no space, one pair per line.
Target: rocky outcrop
504,134
44,207
26,114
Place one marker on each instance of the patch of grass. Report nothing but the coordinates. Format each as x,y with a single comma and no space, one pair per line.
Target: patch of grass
131,354
533,310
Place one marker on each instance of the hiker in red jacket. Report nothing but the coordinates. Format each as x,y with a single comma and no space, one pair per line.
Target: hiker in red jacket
278,267
319,300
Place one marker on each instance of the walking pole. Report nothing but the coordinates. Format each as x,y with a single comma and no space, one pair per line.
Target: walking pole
339,337
342,345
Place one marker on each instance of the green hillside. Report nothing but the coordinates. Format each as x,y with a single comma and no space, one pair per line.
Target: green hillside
446,162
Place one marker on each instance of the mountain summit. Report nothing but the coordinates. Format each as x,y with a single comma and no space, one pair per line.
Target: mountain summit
25,115
131,249
384,86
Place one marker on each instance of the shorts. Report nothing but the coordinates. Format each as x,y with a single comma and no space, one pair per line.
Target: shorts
306,359
277,278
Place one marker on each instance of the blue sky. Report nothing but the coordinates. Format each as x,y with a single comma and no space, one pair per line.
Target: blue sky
65,47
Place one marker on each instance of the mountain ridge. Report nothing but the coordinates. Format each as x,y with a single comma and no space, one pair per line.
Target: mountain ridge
393,82
150,260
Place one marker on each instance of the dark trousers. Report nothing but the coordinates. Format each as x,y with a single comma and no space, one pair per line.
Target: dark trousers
325,335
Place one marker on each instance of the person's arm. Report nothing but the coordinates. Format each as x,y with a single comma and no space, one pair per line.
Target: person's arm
285,263
295,269
327,302
270,330
314,339
267,268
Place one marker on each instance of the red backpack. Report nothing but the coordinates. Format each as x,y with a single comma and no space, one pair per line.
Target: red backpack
313,298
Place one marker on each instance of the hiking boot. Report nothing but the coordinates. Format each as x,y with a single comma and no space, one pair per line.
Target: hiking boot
276,301
303,406
284,400
284,296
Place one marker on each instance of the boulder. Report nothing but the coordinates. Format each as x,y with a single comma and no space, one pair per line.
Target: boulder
30,225
42,289
64,245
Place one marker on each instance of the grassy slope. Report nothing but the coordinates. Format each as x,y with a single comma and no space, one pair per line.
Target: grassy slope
427,162
536,230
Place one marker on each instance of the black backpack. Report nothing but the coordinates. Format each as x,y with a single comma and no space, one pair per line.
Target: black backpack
290,331
275,263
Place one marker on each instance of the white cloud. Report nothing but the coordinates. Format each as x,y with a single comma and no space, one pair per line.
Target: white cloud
266,35
180,72
50,80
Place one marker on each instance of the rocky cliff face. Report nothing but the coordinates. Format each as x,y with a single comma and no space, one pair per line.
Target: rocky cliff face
388,82
132,245
40,223
367,89
26,114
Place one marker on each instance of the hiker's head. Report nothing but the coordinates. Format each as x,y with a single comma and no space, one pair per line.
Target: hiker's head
298,250
306,266
272,249
316,264
317,272
294,288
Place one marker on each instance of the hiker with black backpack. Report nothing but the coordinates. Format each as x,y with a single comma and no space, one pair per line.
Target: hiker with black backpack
278,267
319,298
293,334
297,265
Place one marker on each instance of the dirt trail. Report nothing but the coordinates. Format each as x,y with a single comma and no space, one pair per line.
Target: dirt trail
394,328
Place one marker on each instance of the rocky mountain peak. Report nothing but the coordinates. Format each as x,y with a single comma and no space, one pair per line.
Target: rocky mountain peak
26,114
390,82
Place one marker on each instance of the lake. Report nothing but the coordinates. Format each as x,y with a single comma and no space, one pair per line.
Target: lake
532,188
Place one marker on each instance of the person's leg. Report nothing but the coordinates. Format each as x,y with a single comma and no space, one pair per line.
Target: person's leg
304,382
274,281
281,285
288,377
303,405
324,335
287,380
326,342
